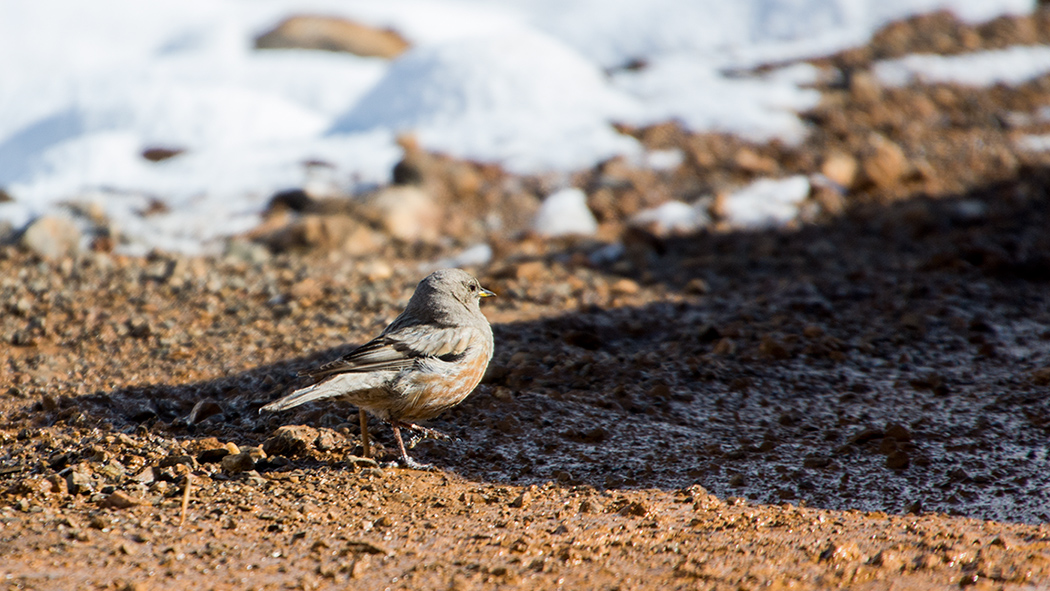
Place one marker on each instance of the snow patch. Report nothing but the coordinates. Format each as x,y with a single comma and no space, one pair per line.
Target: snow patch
702,98
663,160
1012,66
673,217
766,202
524,100
565,213
1034,143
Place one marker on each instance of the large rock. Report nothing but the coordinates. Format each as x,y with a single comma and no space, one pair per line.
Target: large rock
52,237
291,440
294,440
235,463
405,212
329,232
120,500
332,34
884,162
841,168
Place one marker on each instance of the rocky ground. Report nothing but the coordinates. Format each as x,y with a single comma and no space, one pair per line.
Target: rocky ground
857,400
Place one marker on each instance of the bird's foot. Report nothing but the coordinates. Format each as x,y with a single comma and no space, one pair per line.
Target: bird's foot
429,433
405,460
411,464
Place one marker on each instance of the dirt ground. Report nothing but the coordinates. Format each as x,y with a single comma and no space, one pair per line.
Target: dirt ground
857,401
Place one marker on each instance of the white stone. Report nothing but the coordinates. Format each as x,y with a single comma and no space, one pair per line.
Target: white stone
475,256
52,237
565,212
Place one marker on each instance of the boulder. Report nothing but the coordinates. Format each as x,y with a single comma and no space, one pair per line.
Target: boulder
332,34
52,237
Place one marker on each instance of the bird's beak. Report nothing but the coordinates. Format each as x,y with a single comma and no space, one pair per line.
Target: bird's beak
484,293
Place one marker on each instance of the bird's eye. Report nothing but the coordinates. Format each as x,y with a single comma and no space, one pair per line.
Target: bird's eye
473,287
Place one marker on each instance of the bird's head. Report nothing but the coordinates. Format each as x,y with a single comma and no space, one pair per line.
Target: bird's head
439,289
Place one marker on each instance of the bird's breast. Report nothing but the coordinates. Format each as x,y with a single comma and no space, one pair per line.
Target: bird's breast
434,386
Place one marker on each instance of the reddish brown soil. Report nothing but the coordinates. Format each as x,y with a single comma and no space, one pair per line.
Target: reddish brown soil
856,401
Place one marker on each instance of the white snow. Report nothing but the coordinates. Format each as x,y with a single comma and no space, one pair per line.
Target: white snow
663,160
673,217
1011,66
532,84
565,213
695,93
1034,143
766,202
736,34
524,99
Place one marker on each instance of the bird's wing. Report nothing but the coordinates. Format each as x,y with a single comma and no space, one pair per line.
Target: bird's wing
400,349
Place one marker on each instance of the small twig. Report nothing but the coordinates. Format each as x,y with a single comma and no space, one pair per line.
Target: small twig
365,443
186,498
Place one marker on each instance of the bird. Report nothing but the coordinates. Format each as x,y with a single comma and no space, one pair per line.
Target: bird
429,359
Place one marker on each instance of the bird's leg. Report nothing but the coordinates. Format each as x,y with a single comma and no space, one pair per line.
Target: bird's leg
428,432
366,444
407,461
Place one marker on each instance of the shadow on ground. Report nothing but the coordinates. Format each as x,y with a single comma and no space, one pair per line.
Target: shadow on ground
895,359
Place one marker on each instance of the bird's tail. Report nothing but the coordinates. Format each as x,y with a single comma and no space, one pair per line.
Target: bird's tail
319,391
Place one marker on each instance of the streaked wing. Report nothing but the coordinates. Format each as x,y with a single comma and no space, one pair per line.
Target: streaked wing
399,349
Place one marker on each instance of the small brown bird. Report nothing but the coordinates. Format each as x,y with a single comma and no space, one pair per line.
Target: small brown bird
427,360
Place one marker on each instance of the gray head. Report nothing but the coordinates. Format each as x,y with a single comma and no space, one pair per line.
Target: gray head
448,291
